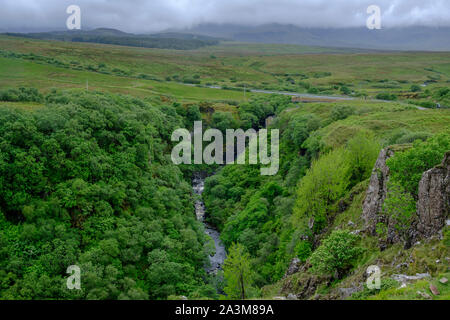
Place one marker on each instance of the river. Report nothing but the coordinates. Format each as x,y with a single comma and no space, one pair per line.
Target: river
217,260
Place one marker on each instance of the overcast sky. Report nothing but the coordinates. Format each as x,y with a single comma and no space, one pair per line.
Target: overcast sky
156,15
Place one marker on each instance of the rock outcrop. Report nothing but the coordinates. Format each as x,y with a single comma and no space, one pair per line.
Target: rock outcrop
433,205
294,267
376,193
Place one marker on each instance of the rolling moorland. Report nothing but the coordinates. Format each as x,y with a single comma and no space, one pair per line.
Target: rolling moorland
86,176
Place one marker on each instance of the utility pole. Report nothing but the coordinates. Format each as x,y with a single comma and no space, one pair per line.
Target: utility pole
87,85
245,91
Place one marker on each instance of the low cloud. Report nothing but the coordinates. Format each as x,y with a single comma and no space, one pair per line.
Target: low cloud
142,16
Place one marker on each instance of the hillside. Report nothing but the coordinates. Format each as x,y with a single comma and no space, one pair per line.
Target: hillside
117,37
86,175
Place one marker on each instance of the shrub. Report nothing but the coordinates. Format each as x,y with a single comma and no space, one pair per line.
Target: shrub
338,253
21,95
400,207
300,127
407,167
341,112
415,88
413,136
345,90
386,96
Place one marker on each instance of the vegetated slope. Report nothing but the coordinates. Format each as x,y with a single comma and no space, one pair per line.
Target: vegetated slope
421,78
117,37
87,180
327,155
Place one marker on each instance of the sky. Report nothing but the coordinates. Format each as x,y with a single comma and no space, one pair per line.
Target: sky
145,16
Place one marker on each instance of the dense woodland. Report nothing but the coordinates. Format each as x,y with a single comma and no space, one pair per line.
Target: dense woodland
88,180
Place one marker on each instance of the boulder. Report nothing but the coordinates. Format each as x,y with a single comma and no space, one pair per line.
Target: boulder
434,290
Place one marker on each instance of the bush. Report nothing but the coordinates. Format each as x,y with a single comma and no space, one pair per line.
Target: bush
415,88
341,112
413,136
21,95
300,127
338,253
386,96
407,167
400,207
223,121
345,90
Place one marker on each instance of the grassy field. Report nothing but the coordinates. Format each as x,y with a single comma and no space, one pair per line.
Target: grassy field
16,72
253,65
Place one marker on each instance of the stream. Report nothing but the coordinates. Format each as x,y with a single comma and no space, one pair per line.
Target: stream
217,260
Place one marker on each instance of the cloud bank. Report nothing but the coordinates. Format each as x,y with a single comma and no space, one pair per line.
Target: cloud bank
143,16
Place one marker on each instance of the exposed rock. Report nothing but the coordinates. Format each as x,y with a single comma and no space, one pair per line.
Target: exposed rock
434,290
443,280
294,267
347,292
303,284
291,297
424,295
376,193
405,279
279,298
433,205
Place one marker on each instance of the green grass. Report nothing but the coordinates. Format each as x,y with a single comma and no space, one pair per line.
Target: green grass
256,65
16,72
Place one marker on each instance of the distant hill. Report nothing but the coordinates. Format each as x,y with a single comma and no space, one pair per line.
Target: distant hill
177,41
408,38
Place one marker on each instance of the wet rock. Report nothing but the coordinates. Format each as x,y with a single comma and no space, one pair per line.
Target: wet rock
434,290
433,205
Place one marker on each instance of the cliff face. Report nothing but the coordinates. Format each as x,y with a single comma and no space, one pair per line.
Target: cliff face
377,191
433,205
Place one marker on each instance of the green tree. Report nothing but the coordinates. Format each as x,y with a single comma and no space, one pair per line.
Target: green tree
237,272
337,253
407,167
400,207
